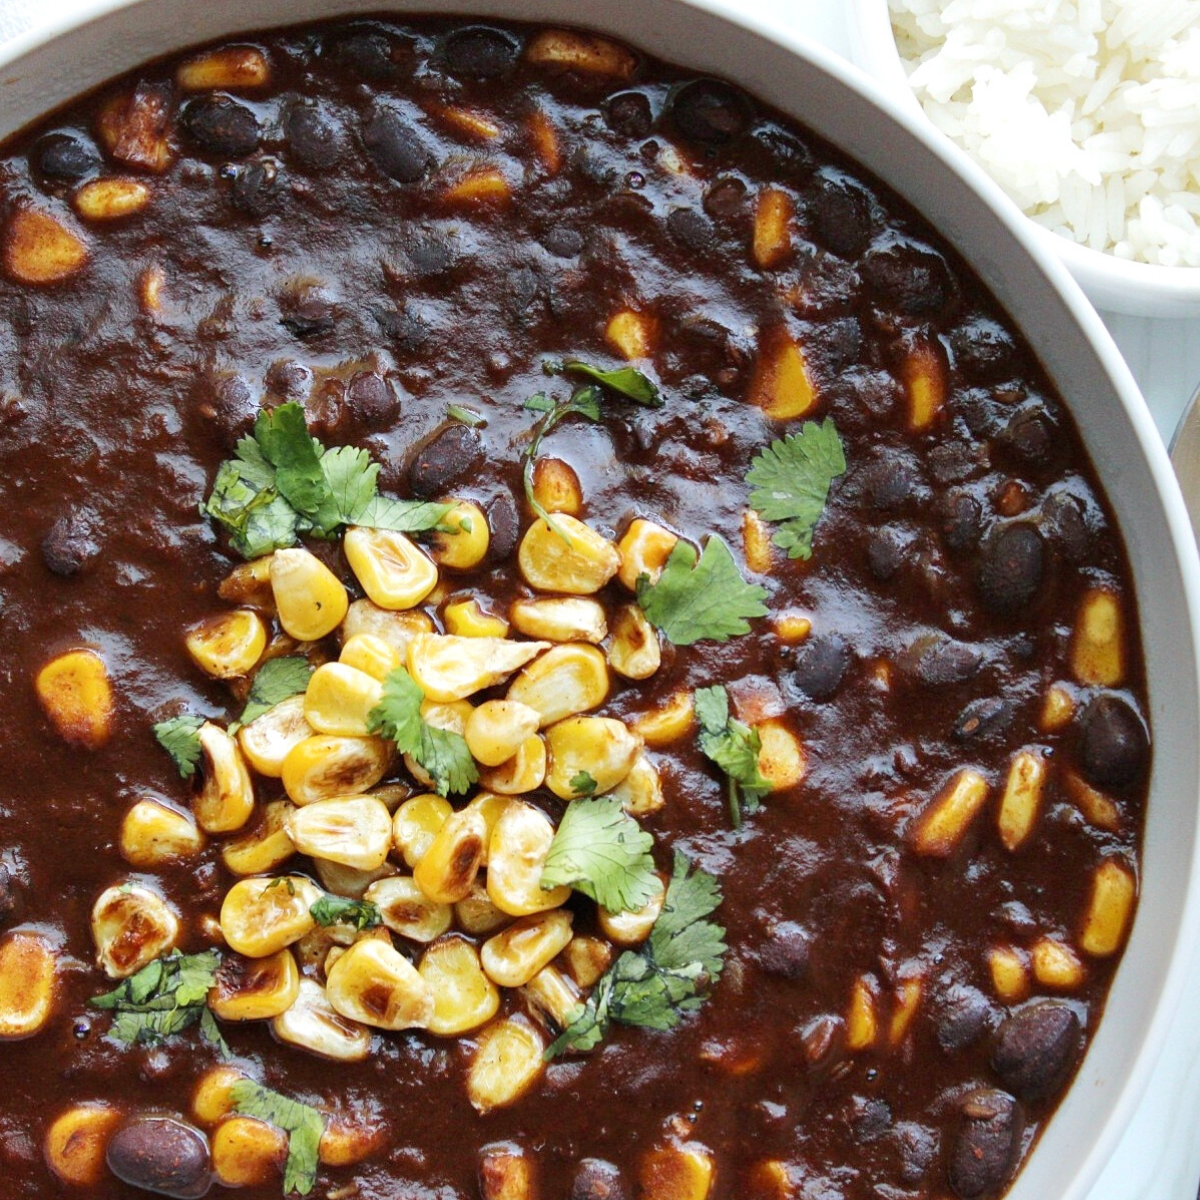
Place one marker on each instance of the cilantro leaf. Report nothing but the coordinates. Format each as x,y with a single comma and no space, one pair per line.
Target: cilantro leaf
442,752
303,1124
602,852
791,479
352,481
338,910
465,416
582,784
625,381
734,747
282,436
401,516
694,601
180,738
245,501
276,680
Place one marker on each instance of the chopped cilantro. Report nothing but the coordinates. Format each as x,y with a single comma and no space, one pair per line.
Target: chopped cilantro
282,436
303,1124
625,381
693,601
338,910
586,403
791,479
180,738
465,416
583,784
278,679
734,747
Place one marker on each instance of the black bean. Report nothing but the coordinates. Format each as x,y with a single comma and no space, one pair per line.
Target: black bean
429,256
1029,435
870,1118
961,519
366,54
962,1014
596,1179
372,399
405,327
396,148
784,951
986,717
787,151
917,1146
886,548
1036,1047
70,545
710,111
162,1155
522,288
221,125
1010,568
889,479
65,156
691,229
307,309
446,459
312,136
820,665
504,521
479,52
289,379
948,661
841,342
629,114
983,350
254,190
1065,520
234,407
725,198
840,214
563,241
985,1144
1113,744
954,461
909,276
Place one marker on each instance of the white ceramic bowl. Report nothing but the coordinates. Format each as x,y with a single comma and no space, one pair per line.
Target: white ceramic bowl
40,71
1114,284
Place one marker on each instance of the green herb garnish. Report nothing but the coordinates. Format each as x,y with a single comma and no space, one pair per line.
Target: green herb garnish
338,910
586,403
180,738
277,680
734,747
582,784
465,416
625,381
303,1124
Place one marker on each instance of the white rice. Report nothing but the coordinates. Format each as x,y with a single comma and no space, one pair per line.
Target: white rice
1087,112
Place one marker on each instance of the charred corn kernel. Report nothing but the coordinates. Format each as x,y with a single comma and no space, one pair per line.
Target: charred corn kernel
211,1097
551,997
587,958
667,723
1098,643
374,984
406,909
259,917
466,618
781,758
416,824
451,668
477,915
634,651
1099,809
1056,965
395,628
508,1059
640,792
339,700
781,385
247,1153
561,619
631,928
446,871
226,796
497,729
1010,974
756,543
480,185
942,825
347,937
349,881
262,848
571,558
516,954
348,1140
516,856
132,127
470,121
152,834
644,549
313,1024
39,248
228,645
601,747
545,142
772,228
505,1173
230,68
28,967
464,998
632,334
862,1020
267,740
489,805
355,831
923,376
566,680
1057,709
908,1000
131,926
1110,906
76,1141
255,989
583,52
791,626
371,655
1022,799
467,546
309,598
556,486
249,583
682,1171
524,772
110,199
75,693
321,767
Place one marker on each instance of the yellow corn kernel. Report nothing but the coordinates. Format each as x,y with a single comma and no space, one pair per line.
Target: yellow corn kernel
466,618
1056,965
339,700
516,856
262,848
908,1000
791,626
771,1179
228,645
1098,642
1022,799
668,723
781,758
862,1021
644,549
477,915
601,747
524,772
451,717
468,545
772,232
75,693
397,629
247,1152
508,1059
211,1098
446,871
1110,907
310,599
781,385
586,959
516,954
321,767
153,834
923,375
111,199
371,655
226,797
39,248
640,792
1057,709
469,121
551,997
464,997
497,729
941,827
350,881
349,1139
229,68
634,651
571,557
632,334
680,1171
556,486
259,917
267,740
406,909
451,668
756,543
416,824
1100,810
566,680
479,185
560,619
571,50
131,926
249,583
1010,974
545,142
374,984
505,1173
28,967
355,831
311,1023
255,989
339,940
631,928
76,1141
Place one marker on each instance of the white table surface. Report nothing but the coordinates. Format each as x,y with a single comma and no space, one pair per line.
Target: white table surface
1159,1156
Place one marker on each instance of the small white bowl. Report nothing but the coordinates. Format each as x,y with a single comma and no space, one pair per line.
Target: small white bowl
1113,284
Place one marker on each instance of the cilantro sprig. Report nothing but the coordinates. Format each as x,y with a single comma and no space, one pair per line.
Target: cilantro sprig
734,747
664,979
303,1124
180,738
277,680
340,910
629,382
